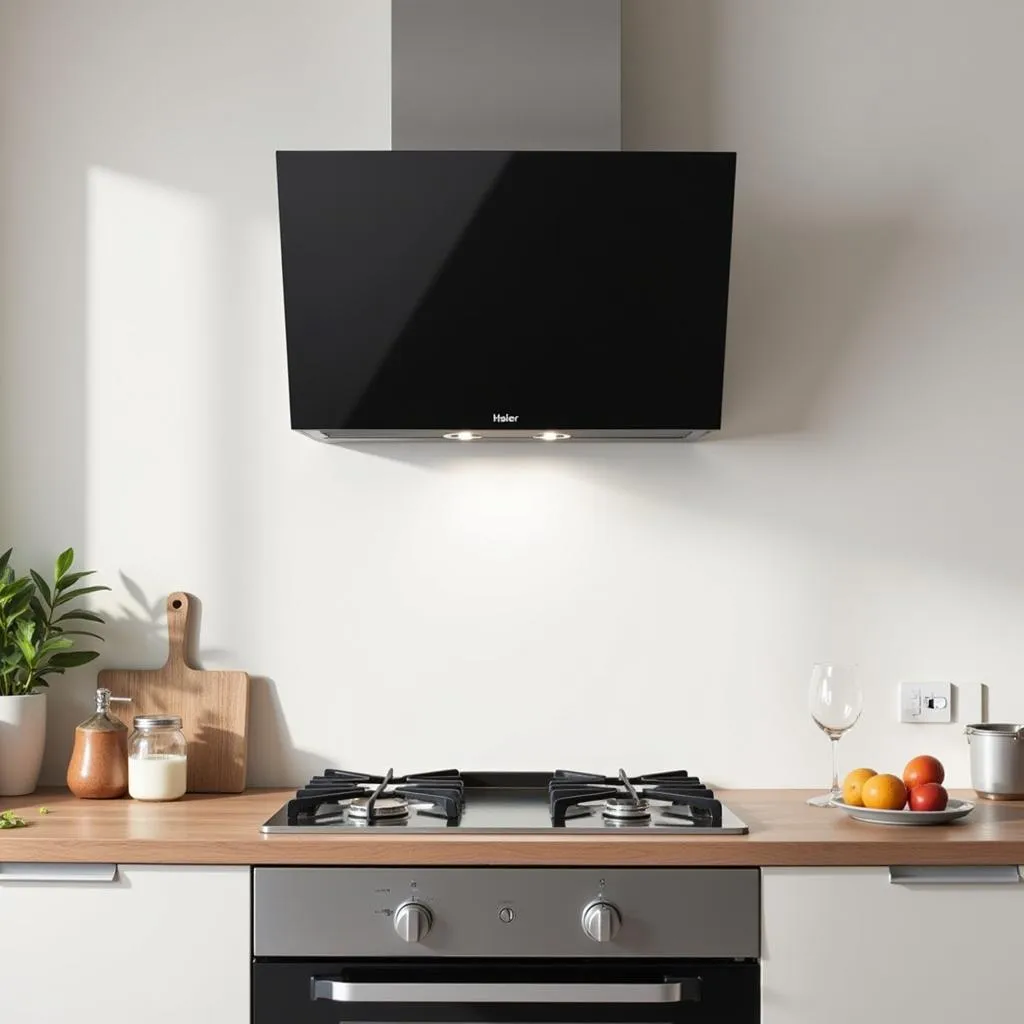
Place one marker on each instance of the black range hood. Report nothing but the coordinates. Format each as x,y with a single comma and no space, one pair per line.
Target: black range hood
486,295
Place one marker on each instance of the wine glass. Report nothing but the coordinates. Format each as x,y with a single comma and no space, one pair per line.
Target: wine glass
835,700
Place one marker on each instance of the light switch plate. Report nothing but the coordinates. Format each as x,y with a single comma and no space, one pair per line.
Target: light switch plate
926,703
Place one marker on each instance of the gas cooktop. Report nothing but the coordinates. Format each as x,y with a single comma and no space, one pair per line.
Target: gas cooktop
505,802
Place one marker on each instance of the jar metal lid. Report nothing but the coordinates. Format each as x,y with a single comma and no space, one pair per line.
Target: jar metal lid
158,721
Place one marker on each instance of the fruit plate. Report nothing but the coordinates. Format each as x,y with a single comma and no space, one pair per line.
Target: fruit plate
954,809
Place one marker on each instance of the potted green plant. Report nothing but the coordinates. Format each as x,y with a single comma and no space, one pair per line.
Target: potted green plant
38,623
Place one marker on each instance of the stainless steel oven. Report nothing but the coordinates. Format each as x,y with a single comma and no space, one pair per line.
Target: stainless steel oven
506,945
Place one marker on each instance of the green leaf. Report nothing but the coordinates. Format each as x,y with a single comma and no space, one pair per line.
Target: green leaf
27,650
56,643
64,560
72,659
14,589
44,810
44,587
4,559
78,632
85,616
72,595
72,578
8,819
19,606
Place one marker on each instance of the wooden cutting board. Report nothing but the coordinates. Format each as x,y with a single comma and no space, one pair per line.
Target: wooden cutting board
214,706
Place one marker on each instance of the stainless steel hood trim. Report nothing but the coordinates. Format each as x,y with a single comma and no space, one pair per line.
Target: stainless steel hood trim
409,992
329,436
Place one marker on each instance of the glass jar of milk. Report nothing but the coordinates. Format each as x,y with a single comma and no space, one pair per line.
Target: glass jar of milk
157,758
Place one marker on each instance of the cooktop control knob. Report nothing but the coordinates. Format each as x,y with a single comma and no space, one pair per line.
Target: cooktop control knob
413,921
601,920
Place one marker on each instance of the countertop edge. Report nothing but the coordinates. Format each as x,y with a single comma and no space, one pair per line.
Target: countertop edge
224,830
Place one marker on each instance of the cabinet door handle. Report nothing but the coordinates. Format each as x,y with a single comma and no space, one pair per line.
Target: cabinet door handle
15,871
966,874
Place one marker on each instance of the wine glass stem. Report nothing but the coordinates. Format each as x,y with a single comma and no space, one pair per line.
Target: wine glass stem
835,765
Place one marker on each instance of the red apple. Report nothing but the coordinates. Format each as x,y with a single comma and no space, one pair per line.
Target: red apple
929,796
923,769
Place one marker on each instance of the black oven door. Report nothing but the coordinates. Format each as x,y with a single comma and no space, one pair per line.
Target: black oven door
506,992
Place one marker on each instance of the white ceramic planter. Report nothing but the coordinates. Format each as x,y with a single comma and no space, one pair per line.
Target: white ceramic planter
22,740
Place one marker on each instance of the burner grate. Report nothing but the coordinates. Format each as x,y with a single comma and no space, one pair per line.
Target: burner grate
325,798
685,796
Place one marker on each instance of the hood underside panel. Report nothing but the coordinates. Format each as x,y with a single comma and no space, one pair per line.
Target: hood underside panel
358,436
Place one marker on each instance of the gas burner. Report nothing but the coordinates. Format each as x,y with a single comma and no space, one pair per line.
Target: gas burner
357,799
386,807
632,807
624,808
663,798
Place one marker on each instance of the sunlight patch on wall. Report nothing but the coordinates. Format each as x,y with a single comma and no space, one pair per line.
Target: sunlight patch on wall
153,314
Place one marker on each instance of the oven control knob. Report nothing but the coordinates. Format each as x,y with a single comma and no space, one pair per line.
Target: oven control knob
601,920
413,921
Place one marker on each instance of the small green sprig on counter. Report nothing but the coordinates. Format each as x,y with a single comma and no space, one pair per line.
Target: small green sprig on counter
36,624
8,819
44,810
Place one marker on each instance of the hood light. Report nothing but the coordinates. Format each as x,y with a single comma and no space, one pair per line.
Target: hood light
462,435
551,435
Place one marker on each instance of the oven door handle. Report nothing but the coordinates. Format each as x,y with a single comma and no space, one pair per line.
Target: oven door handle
497,992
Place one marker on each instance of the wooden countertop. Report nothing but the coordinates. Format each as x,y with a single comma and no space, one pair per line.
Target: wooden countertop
210,829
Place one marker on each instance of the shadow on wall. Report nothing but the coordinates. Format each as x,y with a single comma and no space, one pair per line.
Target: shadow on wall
143,629
138,635
274,760
667,74
783,357
139,632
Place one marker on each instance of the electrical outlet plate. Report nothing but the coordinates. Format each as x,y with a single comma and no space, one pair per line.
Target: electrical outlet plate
926,703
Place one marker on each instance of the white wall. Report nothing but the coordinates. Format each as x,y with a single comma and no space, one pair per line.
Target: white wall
584,606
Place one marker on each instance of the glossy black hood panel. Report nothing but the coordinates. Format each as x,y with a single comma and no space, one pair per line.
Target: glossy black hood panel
505,294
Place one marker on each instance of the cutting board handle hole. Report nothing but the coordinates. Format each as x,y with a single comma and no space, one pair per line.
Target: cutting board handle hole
176,603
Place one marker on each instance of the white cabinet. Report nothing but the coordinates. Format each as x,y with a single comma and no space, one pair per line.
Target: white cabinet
845,946
157,944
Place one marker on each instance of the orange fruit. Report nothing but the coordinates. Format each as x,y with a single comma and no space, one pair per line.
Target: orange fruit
884,793
852,785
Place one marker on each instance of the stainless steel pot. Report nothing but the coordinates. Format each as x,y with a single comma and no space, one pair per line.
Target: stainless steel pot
997,760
